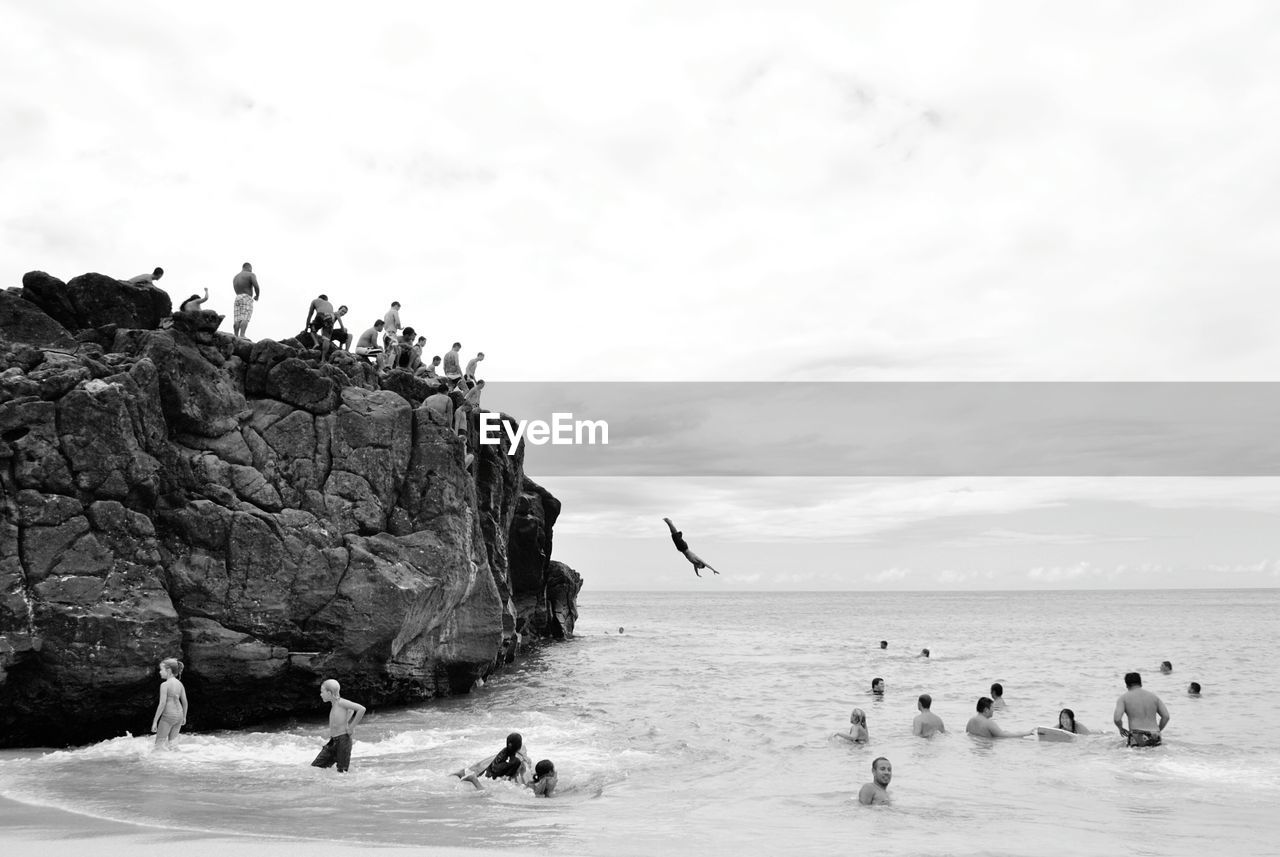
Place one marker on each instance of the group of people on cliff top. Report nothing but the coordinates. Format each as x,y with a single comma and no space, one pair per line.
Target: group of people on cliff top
510,763
387,343
1145,713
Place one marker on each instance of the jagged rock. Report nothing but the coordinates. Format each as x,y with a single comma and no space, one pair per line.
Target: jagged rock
406,384
23,321
92,300
270,519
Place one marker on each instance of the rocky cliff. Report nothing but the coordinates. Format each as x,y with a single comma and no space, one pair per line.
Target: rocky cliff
168,490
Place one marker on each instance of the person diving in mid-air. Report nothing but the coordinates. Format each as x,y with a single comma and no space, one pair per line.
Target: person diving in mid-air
683,547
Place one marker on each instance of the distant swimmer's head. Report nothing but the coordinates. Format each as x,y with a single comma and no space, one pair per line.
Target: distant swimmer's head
882,771
924,702
924,653
984,705
858,716
330,690
997,690
884,644
1194,688
246,267
172,666
1132,680
877,685
456,346
1067,720
514,741
395,304
158,273
620,629
544,768
1166,667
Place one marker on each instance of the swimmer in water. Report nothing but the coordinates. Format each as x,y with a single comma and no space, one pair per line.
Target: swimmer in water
877,686
857,733
884,644
683,547
983,726
1067,723
997,696
926,723
1166,667
509,763
1193,689
877,791
543,783
924,653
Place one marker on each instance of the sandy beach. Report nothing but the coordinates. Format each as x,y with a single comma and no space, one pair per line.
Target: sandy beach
51,832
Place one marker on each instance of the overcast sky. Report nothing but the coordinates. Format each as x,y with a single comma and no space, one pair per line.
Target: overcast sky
712,191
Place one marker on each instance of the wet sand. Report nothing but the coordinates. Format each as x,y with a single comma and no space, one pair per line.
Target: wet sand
51,832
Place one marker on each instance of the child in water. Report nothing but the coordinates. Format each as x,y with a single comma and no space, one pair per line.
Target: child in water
543,783
171,713
343,717
857,728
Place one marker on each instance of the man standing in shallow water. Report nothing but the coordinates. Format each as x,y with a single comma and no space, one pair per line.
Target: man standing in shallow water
877,791
1141,707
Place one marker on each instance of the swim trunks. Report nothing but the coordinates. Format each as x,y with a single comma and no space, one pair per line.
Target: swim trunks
681,544
337,750
323,323
1143,738
243,310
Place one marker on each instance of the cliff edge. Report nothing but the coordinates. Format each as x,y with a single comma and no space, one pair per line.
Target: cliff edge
270,519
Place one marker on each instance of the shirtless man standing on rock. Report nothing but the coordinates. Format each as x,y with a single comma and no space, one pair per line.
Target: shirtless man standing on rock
1142,707
245,285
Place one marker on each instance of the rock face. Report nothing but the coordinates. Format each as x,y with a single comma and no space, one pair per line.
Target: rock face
270,520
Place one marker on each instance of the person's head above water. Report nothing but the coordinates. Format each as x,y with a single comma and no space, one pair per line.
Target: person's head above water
544,768
858,716
881,771
1132,680
1166,667
514,741
1067,720
1194,688
877,685
984,705
997,690
884,644
924,652
924,701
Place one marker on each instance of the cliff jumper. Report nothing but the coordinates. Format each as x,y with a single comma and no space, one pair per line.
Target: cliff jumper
683,547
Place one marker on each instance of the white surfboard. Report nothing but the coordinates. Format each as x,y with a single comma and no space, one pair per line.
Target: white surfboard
1049,733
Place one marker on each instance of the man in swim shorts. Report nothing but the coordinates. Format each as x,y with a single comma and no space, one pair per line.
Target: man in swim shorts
1142,707
245,285
320,321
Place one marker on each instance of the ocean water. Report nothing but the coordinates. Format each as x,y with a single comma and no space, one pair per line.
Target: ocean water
707,727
